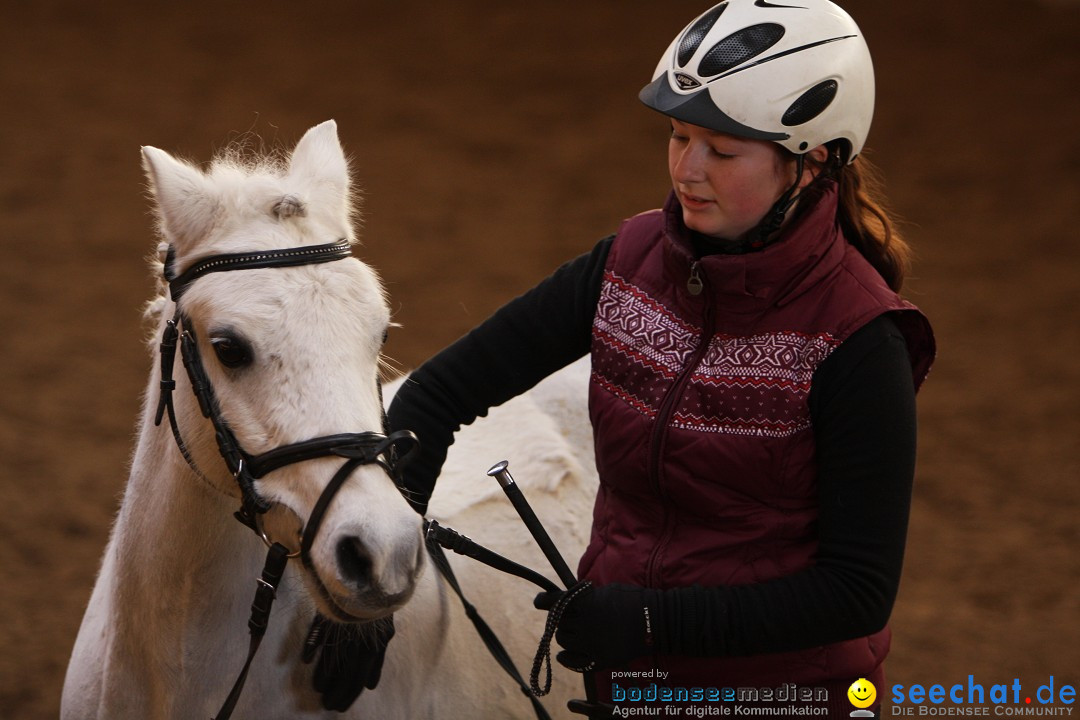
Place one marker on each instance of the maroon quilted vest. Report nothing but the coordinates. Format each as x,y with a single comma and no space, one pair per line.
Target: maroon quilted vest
699,409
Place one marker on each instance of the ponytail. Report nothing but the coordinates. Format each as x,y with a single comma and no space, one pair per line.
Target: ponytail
864,217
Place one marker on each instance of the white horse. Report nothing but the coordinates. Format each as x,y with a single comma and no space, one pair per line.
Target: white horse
291,354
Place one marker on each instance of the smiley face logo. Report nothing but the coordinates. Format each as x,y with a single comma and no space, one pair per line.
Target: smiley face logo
862,693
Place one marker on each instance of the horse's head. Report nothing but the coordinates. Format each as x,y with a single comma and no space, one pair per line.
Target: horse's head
292,354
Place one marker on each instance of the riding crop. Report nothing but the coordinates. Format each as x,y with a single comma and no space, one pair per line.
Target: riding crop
440,536
589,707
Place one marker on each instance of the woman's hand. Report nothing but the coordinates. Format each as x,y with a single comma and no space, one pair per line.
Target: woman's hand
602,626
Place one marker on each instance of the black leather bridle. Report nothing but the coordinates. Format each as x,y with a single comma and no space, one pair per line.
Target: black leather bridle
388,450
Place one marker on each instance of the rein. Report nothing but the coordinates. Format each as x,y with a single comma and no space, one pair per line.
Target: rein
389,451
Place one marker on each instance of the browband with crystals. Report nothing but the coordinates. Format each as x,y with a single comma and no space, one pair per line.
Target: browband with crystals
307,255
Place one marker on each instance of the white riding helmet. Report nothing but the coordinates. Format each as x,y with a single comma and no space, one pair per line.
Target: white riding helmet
796,72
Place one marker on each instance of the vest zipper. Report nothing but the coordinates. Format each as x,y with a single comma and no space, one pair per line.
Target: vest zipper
694,284
658,439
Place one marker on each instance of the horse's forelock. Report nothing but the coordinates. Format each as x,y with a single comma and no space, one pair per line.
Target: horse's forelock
241,157
254,178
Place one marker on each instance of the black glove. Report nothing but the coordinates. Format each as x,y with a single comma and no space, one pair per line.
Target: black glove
602,626
350,659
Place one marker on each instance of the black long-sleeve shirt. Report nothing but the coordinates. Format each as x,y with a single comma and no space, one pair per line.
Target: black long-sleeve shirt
862,408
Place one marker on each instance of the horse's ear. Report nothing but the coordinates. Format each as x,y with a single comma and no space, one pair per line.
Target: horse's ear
186,205
319,164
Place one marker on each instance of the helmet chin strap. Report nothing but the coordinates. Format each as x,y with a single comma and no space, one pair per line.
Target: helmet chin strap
766,231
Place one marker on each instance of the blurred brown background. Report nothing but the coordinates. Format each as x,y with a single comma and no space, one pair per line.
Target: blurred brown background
494,140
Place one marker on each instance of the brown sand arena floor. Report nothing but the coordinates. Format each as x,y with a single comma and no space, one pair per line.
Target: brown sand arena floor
494,142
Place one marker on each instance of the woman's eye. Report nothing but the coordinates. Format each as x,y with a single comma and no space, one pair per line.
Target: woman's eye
231,352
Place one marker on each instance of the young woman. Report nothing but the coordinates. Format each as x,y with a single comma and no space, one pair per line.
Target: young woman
753,375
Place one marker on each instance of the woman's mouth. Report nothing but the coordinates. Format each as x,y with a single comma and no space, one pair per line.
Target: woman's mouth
693,202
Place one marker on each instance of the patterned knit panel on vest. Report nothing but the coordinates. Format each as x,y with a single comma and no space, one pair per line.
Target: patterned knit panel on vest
754,385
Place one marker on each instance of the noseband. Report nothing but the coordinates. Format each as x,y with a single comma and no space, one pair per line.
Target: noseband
389,451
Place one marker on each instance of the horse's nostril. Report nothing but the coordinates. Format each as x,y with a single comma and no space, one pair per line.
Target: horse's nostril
354,561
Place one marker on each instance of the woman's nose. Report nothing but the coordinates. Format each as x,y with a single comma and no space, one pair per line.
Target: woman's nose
689,165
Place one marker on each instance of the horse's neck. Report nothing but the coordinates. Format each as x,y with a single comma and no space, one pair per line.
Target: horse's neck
174,524
176,559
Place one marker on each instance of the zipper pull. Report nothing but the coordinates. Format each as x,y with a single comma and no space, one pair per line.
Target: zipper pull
695,285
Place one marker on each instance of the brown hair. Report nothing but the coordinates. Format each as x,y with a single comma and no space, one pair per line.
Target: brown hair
863,215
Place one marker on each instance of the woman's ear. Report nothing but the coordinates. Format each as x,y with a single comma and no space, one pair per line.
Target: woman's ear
813,165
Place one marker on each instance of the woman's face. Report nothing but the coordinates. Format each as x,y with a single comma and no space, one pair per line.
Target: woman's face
725,184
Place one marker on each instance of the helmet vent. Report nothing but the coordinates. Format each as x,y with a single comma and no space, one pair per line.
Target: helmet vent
697,32
739,47
810,104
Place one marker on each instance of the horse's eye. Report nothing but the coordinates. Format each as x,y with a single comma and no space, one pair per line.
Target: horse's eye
231,352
